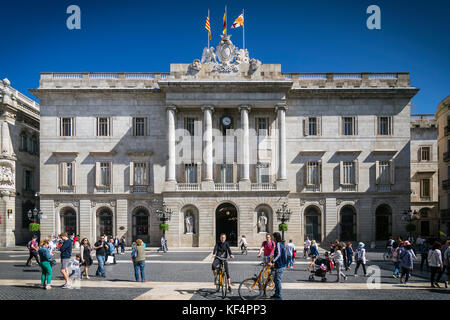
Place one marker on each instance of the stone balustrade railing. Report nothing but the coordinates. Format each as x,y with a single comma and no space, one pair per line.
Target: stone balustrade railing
150,80
15,94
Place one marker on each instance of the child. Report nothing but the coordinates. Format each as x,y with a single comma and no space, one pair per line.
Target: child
75,275
243,242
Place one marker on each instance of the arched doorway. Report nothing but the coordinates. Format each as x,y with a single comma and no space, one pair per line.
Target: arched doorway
140,224
348,224
227,222
383,222
313,223
69,221
105,222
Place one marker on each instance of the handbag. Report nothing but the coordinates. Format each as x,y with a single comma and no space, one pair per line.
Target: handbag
53,262
110,260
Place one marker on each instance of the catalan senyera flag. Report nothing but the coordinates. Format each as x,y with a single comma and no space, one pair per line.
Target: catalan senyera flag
225,22
208,27
239,22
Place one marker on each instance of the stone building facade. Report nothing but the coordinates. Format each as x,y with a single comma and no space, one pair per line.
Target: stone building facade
224,142
424,174
443,119
19,163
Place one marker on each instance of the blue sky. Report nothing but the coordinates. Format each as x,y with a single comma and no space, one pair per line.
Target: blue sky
304,36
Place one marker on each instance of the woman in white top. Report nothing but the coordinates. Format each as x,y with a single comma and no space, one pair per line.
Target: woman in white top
338,262
306,247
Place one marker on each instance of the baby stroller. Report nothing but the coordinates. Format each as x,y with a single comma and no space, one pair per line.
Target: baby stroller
321,266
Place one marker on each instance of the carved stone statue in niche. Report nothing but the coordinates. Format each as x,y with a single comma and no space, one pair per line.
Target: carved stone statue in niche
262,222
189,223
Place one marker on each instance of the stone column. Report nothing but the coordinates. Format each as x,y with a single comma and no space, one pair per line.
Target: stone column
207,143
171,161
245,165
281,117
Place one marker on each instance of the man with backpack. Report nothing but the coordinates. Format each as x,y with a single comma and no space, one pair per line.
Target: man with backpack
268,247
33,248
279,262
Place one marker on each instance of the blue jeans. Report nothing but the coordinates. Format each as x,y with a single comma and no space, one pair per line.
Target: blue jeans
101,265
349,262
396,268
277,280
290,261
139,265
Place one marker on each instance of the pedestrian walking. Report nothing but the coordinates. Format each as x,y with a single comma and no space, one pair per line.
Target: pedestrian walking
46,265
290,249
446,261
75,272
306,247
111,252
138,257
396,260
279,262
360,258
267,248
435,263
85,254
424,249
163,247
116,244
338,259
122,245
66,253
33,249
101,248
348,253
406,263
313,253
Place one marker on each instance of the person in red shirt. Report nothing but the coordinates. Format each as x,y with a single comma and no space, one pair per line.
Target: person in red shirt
268,247
33,248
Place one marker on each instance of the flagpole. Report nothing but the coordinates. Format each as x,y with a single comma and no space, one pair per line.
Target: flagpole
209,27
226,22
243,29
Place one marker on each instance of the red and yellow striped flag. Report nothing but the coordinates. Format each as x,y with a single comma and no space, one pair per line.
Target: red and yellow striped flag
225,22
208,27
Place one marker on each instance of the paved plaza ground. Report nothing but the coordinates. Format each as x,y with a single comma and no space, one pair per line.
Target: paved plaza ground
185,274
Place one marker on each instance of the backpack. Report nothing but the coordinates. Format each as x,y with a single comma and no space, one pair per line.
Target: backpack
29,245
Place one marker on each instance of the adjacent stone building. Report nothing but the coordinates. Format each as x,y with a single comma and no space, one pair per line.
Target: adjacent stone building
224,142
19,163
443,119
424,175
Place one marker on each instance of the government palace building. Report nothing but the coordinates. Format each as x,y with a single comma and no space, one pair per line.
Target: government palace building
218,146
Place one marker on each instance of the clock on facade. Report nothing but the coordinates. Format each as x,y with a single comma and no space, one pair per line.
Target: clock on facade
226,121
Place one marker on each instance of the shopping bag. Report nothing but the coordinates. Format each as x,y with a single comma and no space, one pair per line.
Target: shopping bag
110,260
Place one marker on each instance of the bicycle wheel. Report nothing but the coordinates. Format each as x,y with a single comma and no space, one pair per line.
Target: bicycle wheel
386,256
224,286
219,280
250,289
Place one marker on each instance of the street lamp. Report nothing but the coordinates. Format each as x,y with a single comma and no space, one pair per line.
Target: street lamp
164,214
34,214
283,215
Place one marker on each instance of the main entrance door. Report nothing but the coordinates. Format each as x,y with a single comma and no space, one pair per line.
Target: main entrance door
348,224
226,222
69,221
312,223
105,223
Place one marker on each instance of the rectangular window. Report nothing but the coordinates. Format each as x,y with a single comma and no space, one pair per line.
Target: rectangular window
103,127
226,173
105,174
385,126
313,173
140,174
190,171
28,180
262,173
140,127
69,173
312,126
349,126
262,126
189,126
348,172
24,142
385,173
425,188
425,154
67,127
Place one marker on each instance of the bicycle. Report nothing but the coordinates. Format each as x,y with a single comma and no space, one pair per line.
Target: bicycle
259,285
221,280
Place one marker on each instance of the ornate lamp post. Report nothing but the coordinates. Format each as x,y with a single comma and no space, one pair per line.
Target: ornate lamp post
35,216
164,214
283,215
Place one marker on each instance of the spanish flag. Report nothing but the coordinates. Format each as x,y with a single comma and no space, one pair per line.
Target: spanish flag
225,22
239,22
208,27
